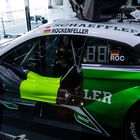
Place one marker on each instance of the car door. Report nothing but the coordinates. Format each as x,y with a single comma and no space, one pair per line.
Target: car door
48,65
34,57
108,70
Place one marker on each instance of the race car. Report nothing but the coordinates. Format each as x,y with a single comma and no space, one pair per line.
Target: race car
89,67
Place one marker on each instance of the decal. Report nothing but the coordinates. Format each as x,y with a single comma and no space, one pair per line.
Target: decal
71,30
97,26
89,121
133,130
9,105
85,118
115,56
101,96
47,30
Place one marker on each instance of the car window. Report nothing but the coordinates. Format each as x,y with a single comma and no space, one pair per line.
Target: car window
102,51
33,55
50,56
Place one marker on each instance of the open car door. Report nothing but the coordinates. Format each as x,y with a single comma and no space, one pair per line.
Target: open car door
49,73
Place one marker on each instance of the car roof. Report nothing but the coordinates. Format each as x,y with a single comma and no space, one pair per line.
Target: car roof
125,32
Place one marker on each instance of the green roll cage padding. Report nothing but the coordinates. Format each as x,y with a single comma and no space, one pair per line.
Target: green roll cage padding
40,88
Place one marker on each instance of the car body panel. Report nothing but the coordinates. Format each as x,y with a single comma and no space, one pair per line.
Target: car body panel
40,88
110,103
99,92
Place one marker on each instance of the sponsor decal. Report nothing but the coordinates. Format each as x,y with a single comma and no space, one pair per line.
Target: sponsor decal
133,130
114,53
115,56
86,119
82,118
47,30
96,95
97,26
70,30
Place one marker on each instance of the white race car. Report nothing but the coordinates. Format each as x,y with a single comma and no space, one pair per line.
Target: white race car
91,68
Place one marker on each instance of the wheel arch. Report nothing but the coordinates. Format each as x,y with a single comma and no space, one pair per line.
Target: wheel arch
127,132
131,108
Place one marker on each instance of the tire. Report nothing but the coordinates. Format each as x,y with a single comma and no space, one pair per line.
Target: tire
132,126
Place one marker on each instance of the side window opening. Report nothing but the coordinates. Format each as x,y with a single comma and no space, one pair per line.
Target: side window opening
68,53
71,81
96,51
37,55
50,56
28,55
